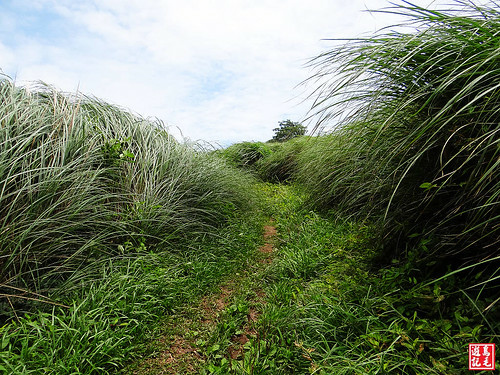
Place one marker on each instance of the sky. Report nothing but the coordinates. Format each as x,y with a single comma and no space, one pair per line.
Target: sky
221,71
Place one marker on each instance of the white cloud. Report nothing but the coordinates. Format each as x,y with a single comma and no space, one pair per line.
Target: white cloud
221,70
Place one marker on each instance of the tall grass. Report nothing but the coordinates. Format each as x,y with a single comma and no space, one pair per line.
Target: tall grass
271,161
418,139
79,178
107,224
282,163
245,155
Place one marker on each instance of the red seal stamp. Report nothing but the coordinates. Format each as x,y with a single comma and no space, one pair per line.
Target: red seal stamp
481,356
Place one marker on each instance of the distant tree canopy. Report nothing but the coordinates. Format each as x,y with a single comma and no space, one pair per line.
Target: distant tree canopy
288,130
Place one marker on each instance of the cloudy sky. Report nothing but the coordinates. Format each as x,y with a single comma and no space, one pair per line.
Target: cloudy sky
219,70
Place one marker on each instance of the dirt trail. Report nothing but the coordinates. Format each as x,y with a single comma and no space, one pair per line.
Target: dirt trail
269,235
178,352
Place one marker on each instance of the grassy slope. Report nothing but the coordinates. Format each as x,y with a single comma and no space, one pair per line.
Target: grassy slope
108,223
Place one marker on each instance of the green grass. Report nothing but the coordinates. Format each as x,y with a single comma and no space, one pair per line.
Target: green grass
419,148
406,274
282,163
80,178
328,310
112,318
387,253
108,223
245,155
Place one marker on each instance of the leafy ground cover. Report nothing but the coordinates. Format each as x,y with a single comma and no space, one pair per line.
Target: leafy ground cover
326,309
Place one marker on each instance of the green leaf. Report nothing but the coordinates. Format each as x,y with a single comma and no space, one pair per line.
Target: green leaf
427,185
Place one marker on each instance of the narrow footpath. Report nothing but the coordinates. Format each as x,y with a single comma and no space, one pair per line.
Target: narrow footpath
186,341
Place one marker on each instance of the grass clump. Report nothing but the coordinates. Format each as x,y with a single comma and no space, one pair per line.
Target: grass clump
107,223
79,178
273,162
418,144
245,154
281,165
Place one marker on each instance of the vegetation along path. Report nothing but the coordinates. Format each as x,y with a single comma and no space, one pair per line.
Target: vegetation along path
370,248
309,300
220,325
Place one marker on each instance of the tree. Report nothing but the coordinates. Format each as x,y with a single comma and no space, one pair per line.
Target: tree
288,130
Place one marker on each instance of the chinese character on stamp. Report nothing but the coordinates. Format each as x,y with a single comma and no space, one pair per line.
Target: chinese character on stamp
481,356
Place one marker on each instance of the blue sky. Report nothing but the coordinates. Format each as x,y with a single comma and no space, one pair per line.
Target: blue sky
222,71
